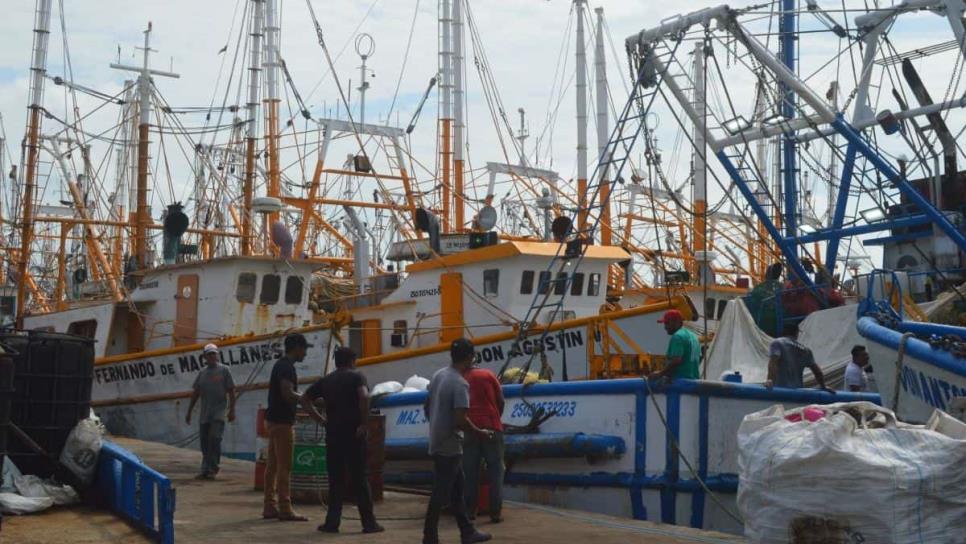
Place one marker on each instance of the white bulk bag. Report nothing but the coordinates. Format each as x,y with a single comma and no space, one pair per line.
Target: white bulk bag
417,382
82,449
386,388
843,479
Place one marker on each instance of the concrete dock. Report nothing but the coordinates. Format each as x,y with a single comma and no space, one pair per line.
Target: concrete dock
228,510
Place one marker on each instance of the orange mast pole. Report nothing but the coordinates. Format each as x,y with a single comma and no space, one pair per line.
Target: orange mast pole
38,68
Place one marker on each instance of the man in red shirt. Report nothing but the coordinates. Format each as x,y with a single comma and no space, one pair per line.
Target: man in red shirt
486,409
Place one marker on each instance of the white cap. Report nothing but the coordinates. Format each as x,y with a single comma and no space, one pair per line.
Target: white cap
210,348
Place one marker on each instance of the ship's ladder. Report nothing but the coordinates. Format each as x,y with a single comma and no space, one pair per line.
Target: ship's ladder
615,158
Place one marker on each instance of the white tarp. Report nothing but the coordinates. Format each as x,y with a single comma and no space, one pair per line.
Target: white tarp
853,474
740,345
29,494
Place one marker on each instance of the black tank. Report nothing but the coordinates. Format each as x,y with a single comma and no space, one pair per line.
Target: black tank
53,375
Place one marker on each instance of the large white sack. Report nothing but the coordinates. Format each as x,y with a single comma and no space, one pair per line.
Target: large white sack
82,449
10,471
33,487
386,388
417,382
12,503
839,480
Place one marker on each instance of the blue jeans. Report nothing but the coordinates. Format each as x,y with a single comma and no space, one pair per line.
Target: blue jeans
210,439
475,451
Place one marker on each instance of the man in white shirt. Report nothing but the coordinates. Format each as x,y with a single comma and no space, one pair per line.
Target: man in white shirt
855,373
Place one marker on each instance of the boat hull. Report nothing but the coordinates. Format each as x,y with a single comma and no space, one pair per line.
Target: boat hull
652,479
146,396
923,380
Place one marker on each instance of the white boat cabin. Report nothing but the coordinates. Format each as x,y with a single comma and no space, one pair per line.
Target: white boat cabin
188,303
486,290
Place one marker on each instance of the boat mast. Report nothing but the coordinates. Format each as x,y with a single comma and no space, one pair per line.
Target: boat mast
581,54
522,137
144,105
760,247
700,166
787,28
272,101
143,213
603,130
121,190
459,203
365,46
38,69
446,121
251,125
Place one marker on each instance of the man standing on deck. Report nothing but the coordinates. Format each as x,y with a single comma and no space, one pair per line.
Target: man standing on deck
216,389
486,411
346,396
855,372
683,350
446,407
283,397
787,361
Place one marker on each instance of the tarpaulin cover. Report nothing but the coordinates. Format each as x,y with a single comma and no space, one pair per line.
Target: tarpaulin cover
739,345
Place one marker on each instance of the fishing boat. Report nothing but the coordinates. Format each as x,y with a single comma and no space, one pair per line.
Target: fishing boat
244,269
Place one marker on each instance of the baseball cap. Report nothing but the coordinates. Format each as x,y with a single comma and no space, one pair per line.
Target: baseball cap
461,348
296,340
671,315
210,348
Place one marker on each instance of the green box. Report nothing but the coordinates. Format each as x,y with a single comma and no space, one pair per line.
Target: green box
309,459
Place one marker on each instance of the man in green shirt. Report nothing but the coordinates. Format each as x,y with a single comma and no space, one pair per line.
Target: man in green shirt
683,350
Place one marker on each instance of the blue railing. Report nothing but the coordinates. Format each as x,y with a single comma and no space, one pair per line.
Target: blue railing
136,492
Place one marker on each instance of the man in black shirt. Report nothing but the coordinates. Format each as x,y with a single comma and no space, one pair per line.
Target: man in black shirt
283,397
346,397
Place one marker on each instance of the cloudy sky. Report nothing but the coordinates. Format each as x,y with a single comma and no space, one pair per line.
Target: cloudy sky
523,40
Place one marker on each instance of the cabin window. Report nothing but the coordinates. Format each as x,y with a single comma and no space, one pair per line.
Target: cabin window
593,286
543,286
8,305
399,329
560,285
86,328
722,305
577,287
246,287
710,305
293,290
526,282
491,282
271,284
